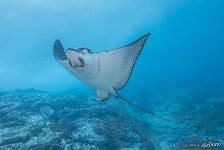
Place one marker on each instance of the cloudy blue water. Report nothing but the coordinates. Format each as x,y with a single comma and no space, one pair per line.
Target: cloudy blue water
178,74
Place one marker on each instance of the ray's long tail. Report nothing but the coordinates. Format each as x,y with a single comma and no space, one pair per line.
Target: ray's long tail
130,103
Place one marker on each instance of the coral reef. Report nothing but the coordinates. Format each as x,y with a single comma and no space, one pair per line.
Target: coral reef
37,120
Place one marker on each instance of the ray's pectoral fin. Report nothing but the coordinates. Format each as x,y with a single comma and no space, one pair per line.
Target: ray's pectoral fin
127,56
60,56
58,51
120,62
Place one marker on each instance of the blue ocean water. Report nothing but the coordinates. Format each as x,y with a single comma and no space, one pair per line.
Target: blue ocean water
178,75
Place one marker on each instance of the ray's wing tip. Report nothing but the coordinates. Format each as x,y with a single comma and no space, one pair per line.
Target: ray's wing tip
144,37
57,43
147,35
58,51
57,40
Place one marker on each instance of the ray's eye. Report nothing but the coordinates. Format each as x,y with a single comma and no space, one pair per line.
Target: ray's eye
81,60
70,63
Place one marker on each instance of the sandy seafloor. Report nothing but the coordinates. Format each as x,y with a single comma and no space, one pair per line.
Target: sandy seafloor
32,119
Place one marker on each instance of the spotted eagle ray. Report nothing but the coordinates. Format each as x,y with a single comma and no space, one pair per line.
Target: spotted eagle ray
106,71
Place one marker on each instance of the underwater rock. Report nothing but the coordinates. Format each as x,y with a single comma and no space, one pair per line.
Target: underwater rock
47,111
85,131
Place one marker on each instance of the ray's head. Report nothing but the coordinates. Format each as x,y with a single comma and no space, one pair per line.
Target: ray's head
79,58
77,61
